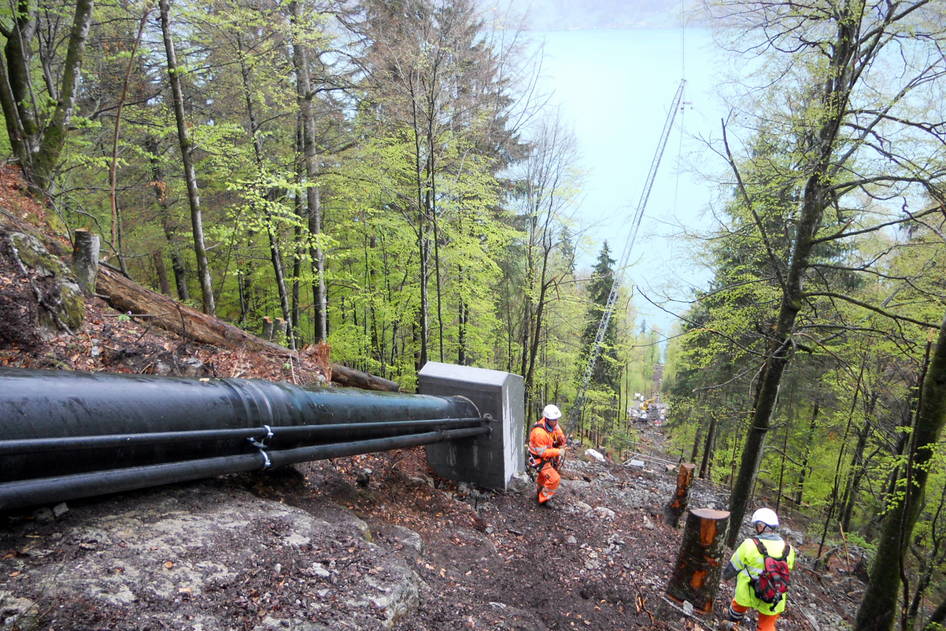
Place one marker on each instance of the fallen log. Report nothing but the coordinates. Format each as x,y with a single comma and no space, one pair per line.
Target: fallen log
127,296
344,376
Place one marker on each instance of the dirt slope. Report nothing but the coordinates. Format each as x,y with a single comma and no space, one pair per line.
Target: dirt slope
311,548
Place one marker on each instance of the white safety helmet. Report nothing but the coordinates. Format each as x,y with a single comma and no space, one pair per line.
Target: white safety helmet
551,412
767,516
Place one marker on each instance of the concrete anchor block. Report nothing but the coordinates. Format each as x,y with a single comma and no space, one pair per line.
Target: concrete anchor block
490,460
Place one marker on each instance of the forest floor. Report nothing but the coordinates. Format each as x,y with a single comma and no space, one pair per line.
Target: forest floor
445,556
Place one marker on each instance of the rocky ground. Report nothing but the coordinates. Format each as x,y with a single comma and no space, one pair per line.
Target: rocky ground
327,546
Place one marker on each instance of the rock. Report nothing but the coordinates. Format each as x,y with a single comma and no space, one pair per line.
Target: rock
570,540
16,612
191,367
60,302
638,464
591,453
44,515
582,507
319,570
422,480
604,513
288,624
520,483
170,552
793,536
60,509
400,535
649,525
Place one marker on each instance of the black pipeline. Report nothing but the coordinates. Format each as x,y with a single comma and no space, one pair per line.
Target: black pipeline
65,435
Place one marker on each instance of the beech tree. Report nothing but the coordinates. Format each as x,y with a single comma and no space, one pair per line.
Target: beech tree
839,121
190,176
38,117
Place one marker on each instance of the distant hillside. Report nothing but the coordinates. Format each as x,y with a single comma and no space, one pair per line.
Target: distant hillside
572,15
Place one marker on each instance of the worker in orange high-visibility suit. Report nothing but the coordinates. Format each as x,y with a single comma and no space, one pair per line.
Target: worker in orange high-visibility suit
547,448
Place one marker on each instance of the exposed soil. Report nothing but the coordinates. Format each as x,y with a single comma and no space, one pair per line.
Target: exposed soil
327,546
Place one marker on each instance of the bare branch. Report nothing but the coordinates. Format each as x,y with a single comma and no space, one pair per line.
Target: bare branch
870,307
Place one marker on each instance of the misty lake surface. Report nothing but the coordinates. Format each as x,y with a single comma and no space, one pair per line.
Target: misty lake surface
614,89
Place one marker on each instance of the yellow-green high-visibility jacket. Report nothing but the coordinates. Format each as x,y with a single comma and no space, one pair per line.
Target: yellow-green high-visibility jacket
749,563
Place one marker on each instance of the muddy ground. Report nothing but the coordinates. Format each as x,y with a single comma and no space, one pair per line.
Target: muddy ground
327,545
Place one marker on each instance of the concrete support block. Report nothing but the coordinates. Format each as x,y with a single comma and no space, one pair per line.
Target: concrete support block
490,460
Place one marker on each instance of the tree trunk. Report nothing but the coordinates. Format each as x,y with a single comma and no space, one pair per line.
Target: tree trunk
275,256
193,195
166,313
681,496
113,164
876,612
857,470
157,257
310,167
695,576
344,376
817,195
803,472
694,452
708,449
461,333
38,146
167,221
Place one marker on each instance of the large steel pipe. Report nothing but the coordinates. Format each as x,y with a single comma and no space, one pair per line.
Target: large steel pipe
59,488
38,407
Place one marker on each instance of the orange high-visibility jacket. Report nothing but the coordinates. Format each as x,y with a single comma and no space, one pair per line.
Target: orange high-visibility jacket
544,444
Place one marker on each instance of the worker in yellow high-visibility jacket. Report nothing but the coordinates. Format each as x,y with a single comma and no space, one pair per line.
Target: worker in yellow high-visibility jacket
756,586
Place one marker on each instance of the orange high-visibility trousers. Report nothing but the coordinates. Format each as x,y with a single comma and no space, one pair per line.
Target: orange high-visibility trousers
547,483
766,622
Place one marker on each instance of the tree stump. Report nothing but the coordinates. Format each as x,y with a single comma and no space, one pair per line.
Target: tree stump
85,260
267,328
279,331
695,576
681,496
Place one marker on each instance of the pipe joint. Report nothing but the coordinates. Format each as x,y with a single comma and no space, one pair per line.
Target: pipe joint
263,446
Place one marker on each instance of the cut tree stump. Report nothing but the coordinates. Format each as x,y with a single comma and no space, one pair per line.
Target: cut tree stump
279,331
695,576
681,496
85,260
267,328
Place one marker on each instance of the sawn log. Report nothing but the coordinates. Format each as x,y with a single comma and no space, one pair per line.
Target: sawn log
166,313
